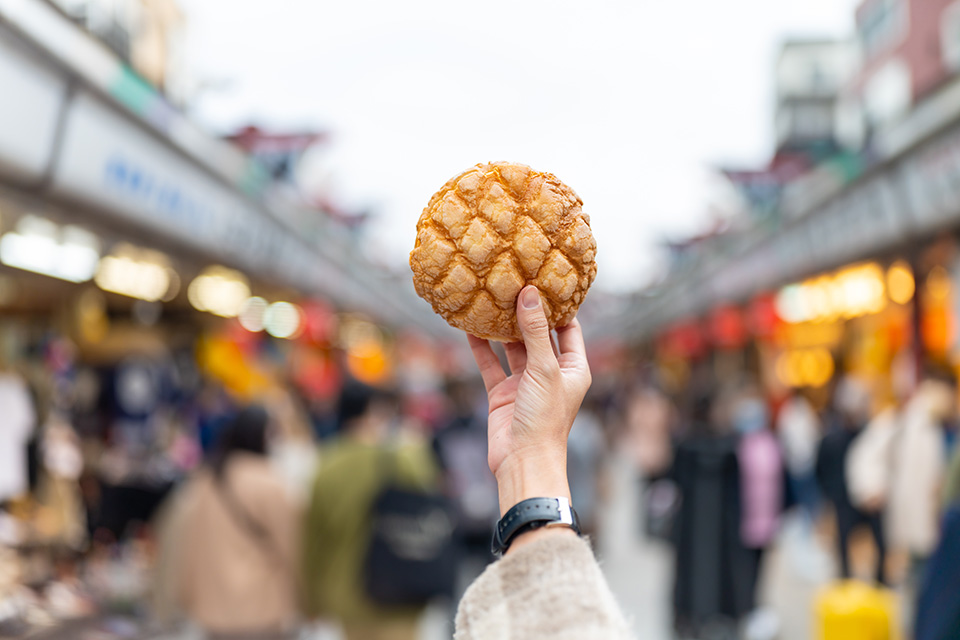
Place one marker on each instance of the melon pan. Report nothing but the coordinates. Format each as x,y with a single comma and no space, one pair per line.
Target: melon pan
494,229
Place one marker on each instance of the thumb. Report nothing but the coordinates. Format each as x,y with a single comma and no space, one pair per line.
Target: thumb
535,330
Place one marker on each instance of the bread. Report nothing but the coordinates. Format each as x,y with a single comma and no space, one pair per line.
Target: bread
494,229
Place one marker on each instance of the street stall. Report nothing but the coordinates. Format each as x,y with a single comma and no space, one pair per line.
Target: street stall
150,283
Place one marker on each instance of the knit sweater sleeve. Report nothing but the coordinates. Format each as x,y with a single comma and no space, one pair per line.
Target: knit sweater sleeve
549,588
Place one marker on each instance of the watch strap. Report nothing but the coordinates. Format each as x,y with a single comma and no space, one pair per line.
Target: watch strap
533,514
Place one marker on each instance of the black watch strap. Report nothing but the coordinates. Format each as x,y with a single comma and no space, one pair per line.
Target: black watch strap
533,514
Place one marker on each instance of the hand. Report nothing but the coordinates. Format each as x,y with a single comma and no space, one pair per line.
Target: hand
532,409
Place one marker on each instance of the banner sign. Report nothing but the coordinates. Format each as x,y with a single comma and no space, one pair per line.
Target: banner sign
31,93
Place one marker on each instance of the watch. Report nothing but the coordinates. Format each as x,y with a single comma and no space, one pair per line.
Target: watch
533,514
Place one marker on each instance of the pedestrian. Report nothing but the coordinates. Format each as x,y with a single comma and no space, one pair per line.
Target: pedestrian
362,460
461,447
799,430
938,602
586,449
229,551
647,418
951,483
845,419
713,584
761,473
918,468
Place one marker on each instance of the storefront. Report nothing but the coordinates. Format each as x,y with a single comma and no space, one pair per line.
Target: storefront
148,284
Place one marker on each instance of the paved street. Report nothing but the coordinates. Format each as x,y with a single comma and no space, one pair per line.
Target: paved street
640,571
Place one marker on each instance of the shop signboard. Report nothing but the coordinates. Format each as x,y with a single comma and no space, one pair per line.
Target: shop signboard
111,163
31,97
90,60
931,180
740,276
867,218
918,195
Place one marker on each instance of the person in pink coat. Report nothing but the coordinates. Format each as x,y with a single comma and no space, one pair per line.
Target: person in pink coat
761,478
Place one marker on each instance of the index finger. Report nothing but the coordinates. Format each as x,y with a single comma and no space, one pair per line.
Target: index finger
490,368
570,339
516,356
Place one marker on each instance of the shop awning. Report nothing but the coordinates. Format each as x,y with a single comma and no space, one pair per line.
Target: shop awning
80,130
912,193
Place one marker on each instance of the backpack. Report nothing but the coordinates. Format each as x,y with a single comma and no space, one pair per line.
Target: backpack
471,486
411,557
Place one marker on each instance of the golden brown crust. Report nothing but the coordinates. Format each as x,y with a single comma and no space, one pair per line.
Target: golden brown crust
494,229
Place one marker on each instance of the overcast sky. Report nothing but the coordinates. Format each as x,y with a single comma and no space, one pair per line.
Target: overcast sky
629,102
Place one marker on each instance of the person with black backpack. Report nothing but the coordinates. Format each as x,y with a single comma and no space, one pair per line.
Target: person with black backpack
377,535
461,447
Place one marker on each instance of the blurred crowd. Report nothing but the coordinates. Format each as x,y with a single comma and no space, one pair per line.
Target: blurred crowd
192,484
149,488
730,472
152,487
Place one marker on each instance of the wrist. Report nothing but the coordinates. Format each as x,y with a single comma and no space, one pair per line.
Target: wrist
542,474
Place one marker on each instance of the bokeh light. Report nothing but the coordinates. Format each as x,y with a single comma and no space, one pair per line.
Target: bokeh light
282,320
900,282
219,291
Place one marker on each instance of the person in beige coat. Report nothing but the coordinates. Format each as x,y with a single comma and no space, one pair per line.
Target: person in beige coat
548,584
898,465
229,548
919,468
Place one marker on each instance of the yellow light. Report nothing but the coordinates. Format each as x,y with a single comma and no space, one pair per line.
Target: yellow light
805,367
819,299
851,292
355,330
784,374
219,291
92,316
135,278
174,288
938,284
878,298
368,362
817,366
900,282
863,290
812,335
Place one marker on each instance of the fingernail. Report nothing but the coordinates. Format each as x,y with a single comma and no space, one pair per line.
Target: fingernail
530,298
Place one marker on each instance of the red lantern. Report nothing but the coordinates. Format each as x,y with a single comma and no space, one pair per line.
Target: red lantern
762,316
727,328
316,374
683,340
319,323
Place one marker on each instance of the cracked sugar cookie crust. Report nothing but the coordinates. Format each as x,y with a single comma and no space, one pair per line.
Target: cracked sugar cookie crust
494,229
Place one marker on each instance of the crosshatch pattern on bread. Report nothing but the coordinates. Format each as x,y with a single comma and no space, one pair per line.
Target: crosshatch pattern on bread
494,229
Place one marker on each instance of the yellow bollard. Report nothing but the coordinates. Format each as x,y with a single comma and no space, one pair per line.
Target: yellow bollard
853,610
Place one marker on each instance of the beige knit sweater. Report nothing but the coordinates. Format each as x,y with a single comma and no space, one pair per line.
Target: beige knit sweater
549,588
